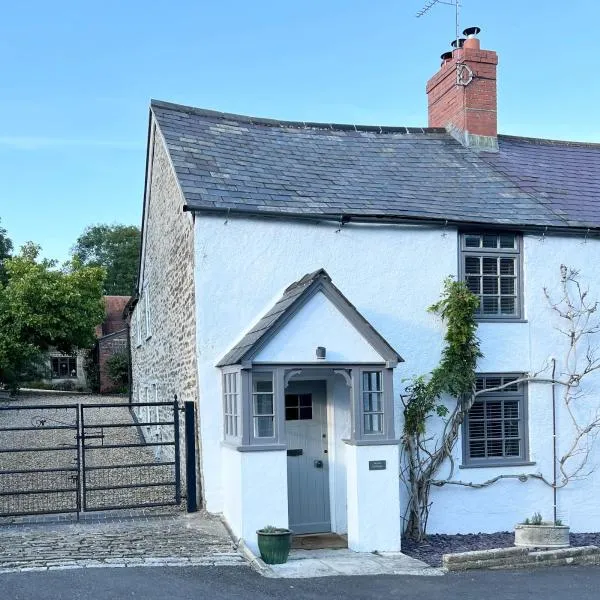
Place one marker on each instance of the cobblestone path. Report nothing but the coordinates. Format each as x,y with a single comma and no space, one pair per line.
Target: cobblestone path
170,538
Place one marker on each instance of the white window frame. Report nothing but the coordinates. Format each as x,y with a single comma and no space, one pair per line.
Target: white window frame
138,329
147,314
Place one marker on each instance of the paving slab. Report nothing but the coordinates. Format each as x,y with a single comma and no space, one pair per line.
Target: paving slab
329,563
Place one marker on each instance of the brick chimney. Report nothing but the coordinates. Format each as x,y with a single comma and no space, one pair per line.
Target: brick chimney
462,94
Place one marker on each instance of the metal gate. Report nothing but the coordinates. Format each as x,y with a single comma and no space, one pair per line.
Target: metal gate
39,460
88,457
130,462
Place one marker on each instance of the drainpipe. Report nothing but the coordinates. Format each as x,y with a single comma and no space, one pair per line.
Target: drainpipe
554,490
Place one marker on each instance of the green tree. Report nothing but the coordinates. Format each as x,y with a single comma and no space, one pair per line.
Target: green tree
114,247
5,252
43,307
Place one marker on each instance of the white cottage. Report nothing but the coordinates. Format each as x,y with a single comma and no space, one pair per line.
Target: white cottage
285,276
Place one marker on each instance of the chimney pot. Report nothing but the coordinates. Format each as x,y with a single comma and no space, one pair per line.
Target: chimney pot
461,43
471,31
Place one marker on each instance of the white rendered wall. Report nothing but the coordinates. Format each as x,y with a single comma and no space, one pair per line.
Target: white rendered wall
392,274
318,323
527,347
254,494
373,499
244,265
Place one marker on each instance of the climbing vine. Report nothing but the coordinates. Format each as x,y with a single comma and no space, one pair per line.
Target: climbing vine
578,321
454,376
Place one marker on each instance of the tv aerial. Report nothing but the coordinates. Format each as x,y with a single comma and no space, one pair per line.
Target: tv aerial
429,4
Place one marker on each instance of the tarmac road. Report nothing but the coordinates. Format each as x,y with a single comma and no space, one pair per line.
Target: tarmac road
233,583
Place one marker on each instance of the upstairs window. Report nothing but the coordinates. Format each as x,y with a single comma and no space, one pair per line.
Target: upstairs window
491,268
495,430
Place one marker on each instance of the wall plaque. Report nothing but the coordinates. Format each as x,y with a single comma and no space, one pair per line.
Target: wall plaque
377,465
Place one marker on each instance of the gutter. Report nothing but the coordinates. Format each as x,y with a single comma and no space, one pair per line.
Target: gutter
385,219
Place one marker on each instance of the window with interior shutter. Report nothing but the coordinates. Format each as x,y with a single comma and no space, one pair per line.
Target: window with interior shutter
495,429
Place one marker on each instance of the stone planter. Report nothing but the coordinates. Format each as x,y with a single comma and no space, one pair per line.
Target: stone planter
545,535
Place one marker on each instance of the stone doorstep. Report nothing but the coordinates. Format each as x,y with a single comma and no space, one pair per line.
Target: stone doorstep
507,558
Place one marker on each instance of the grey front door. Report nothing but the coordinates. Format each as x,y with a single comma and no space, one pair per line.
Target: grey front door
308,469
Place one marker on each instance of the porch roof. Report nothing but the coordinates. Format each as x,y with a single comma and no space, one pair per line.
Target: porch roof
293,298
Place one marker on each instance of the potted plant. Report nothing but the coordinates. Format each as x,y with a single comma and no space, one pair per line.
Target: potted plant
537,533
274,544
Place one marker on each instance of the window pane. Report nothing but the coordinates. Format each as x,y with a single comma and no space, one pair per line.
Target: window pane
263,404
306,412
372,402
507,306
263,427
507,240
374,423
472,265
511,429
477,411
490,240
477,449
474,284
371,381
291,414
263,386
472,241
511,409
291,400
490,305
507,266
490,285
493,410
305,400
476,429
490,266
512,448
495,448
507,285
492,382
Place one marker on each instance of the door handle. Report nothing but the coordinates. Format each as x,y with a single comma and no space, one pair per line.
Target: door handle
318,464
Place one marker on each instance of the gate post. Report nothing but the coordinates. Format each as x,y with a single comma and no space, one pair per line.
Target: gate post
190,455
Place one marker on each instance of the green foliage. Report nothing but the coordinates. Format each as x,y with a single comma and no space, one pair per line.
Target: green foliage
92,373
455,375
43,307
114,247
6,247
117,367
536,519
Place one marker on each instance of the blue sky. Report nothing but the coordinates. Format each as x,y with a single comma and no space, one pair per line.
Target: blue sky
77,78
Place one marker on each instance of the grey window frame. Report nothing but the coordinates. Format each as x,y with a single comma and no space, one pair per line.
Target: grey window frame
496,461
517,253
232,404
358,434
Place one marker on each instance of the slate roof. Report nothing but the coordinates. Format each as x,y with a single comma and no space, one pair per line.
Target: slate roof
565,175
236,163
287,305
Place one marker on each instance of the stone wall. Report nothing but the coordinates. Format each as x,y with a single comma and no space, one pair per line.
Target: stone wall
163,321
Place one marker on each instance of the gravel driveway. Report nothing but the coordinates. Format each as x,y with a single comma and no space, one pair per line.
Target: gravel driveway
56,429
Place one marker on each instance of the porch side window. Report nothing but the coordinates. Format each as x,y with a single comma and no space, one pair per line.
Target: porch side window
263,405
231,405
372,401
